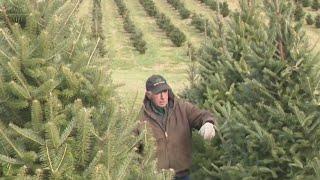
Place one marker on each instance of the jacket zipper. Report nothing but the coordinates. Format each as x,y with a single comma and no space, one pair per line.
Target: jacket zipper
165,134
166,138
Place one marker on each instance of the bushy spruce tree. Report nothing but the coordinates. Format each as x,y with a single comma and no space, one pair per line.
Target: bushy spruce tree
257,77
309,19
224,9
315,5
58,116
317,21
299,13
212,4
306,3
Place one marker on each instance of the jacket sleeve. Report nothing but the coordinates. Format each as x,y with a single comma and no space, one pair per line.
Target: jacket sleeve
198,117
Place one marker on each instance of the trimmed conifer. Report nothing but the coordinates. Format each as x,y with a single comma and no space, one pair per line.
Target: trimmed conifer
176,36
178,5
224,9
136,35
258,78
309,19
315,5
306,3
317,21
202,24
58,116
96,27
299,13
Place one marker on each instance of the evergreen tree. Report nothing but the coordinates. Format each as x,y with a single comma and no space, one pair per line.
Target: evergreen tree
224,9
96,27
299,13
317,21
58,117
212,4
178,5
309,19
306,3
177,37
315,5
258,78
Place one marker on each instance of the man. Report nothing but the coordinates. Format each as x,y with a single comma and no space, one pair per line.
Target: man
171,121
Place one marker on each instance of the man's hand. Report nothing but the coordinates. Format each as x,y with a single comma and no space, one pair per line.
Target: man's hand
207,131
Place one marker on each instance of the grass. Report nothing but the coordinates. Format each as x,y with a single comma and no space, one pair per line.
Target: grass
85,10
120,50
312,32
84,13
134,82
313,35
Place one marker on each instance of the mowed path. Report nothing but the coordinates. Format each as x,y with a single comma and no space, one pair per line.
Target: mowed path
313,34
85,10
119,47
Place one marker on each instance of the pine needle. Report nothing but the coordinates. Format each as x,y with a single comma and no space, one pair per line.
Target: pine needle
48,156
10,142
93,51
27,134
62,158
9,159
8,40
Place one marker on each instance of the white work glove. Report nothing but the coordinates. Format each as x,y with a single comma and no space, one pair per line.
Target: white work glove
207,131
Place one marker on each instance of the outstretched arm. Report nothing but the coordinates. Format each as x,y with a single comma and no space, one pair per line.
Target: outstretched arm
202,120
198,117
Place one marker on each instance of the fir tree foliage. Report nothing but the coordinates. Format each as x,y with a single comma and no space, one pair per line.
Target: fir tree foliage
57,103
45,69
299,13
211,3
224,9
306,3
315,5
96,27
317,21
136,35
202,24
258,78
309,19
178,5
176,36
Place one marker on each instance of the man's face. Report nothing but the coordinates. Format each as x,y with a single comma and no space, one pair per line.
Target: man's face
160,99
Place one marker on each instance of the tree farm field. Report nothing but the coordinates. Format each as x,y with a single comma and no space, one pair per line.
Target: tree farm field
130,69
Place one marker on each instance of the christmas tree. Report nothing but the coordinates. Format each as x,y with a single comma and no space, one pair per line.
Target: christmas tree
259,78
58,113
